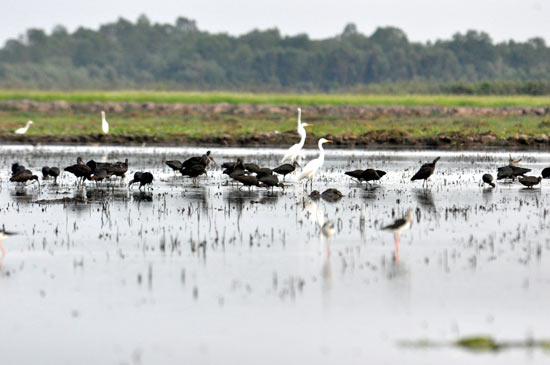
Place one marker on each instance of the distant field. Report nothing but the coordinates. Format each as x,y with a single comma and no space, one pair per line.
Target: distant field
291,99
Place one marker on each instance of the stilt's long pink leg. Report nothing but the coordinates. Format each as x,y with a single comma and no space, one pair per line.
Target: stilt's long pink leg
3,252
397,238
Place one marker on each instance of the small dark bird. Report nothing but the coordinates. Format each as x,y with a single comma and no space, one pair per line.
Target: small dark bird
194,171
286,169
511,172
81,171
237,168
45,173
99,174
530,181
54,172
425,171
331,195
22,176
249,180
488,179
143,178
118,169
546,173
204,159
272,181
174,165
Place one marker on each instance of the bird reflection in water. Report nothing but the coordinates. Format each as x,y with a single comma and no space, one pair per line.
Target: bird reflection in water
425,198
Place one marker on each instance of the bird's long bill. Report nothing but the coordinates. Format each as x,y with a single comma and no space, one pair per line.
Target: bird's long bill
308,125
329,141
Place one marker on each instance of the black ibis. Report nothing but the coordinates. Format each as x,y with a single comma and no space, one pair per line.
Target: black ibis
252,167
194,171
271,181
286,169
546,173
356,174
204,159
80,170
488,179
48,172
530,181
425,171
22,176
143,178
174,165
16,167
249,180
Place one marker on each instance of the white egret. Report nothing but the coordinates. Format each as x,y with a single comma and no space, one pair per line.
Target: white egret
295,150
313,166
25,128
104,124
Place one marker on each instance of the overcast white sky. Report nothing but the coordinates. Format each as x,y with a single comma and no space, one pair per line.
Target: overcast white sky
421,19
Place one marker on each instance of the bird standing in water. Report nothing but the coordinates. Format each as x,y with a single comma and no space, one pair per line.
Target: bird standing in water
397,228
310,170
488,179
425,172
143,178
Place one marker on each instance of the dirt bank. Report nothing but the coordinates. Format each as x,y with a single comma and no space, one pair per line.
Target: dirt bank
367,112
370,139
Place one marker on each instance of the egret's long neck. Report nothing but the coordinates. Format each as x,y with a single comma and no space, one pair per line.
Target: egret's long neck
321,152
302,132
299,117
28,124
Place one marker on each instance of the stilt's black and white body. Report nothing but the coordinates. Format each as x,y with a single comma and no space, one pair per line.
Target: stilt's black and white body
143,178
286,169
398,227
530,181
488,179
425,172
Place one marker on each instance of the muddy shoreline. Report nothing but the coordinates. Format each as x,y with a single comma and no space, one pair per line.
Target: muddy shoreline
373,139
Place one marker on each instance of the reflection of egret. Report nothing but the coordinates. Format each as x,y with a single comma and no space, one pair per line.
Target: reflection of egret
295,150
315,212
310,170
397,227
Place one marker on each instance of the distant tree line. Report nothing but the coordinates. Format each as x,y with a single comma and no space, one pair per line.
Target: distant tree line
180,56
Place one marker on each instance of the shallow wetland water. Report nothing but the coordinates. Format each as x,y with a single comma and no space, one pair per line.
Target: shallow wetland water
213,274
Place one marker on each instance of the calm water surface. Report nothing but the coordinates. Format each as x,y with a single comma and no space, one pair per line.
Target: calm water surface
212,274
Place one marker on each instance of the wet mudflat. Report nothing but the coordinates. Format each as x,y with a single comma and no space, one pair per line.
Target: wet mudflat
214,274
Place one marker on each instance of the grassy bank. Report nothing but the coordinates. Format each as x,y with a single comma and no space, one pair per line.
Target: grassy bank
290,99
196,126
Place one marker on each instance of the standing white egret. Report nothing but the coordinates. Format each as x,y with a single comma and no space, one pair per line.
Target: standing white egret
104,124
294,151
313,166
25,128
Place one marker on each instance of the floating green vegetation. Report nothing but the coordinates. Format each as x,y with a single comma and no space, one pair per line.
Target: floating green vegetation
481,344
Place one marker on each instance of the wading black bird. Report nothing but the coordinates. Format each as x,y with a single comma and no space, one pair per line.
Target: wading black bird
204,159
546,173
22,176
48,172
99,174
272,181
118,169
252,167
263,172
286,169
235,169
194,171
397,228
530,181
425,171
372,175
80,170
143,178
249,180
488,179
511,172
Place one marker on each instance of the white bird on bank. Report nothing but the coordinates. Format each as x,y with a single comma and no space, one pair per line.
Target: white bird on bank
25,128
310,170
104,124
296,149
